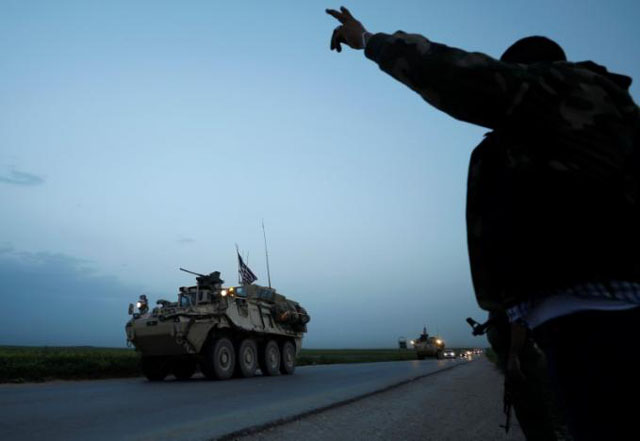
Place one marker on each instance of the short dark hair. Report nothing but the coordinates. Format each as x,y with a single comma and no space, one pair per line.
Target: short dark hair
534,49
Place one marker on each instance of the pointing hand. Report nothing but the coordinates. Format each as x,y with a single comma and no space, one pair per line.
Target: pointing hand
350,32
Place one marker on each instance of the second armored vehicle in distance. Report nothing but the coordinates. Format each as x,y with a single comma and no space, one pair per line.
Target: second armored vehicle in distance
428,346
223,330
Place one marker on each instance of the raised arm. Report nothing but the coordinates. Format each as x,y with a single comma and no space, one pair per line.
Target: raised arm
469,86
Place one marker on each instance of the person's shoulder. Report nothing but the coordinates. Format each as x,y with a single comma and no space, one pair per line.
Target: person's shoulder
584,87
584,73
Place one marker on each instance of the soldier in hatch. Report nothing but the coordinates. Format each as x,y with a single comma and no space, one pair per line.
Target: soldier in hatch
553,210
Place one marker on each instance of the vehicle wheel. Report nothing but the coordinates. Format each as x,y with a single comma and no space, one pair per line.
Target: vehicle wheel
288,358
184,368
270,359
247,355
155,368
219,359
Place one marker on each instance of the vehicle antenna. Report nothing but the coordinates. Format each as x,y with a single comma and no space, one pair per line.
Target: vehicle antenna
266,252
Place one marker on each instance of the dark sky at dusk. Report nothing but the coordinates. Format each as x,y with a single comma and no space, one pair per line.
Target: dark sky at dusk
143,136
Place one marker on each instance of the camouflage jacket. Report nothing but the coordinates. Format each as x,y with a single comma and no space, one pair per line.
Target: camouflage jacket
553,189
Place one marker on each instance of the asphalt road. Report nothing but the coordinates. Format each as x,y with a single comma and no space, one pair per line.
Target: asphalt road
134,409
462,404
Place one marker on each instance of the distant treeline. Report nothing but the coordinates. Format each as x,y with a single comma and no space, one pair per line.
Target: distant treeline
20,364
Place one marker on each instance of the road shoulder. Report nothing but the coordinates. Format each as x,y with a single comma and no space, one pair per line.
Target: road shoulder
463,403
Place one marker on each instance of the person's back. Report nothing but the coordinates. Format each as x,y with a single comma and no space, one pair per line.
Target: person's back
553,191
552,197
553,205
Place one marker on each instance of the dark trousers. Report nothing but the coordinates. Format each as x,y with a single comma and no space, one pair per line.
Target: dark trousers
532,399
594,365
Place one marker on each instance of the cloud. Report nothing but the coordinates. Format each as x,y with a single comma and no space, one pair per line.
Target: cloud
186,240
56,299
15,177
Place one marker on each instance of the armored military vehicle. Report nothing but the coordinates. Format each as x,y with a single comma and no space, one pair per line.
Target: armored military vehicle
428,346
223,330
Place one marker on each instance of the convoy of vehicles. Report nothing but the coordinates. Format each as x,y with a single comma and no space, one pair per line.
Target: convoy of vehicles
235,330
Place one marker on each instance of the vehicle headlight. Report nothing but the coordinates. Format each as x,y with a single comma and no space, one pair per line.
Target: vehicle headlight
223,293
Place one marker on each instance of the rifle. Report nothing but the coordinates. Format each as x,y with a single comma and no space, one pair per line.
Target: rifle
479,329
507,399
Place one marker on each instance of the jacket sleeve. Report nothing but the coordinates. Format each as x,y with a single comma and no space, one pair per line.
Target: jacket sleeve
469,86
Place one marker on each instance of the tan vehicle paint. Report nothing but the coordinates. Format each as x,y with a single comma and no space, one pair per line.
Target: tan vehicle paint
224,331
428,346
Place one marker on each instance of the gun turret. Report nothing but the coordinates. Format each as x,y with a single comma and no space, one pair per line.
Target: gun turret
212,281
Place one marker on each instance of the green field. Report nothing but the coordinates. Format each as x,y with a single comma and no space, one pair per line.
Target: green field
20,363
26,363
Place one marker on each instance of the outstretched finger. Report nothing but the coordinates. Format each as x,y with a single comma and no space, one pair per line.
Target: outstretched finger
335,14
346,12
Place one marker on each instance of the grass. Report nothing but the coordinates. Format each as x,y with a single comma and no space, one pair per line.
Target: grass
20,364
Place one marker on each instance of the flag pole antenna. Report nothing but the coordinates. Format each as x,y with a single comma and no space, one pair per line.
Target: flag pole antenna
239,273
266,253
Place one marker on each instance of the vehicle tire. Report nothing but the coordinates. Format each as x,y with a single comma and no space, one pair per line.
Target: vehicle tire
184,368
155,368
270,359
287,358
247,358
219,359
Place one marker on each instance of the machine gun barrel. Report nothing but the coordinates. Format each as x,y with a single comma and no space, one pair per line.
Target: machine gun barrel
191,272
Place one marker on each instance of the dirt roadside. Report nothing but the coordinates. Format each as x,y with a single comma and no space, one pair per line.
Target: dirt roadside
459,404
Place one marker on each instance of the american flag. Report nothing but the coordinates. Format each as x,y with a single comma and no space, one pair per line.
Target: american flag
245,275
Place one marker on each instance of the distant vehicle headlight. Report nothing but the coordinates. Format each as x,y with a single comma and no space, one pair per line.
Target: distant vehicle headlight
223,292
